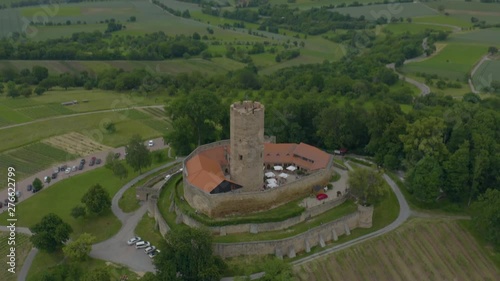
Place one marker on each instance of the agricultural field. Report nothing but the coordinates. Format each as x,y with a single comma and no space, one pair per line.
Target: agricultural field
23,247
419,250
488,72
76,144
308,4
444,20
490,12
488,37
10,21
33,158
398,28
454,61
396,10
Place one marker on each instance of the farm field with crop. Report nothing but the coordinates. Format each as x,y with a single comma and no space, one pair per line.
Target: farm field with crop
453,62
488,37
444,20
419,250
463,10
396,10
398,28
23,247
486,73
33,158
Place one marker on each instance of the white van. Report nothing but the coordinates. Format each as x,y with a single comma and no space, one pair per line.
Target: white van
142,244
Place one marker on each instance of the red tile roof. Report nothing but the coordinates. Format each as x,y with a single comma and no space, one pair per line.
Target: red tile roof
205,169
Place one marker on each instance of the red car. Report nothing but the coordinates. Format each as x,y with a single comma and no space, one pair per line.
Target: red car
321,196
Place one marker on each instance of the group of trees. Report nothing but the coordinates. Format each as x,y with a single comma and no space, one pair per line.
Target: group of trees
96,201
102,46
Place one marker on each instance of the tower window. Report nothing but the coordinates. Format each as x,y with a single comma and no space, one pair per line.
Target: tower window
241,157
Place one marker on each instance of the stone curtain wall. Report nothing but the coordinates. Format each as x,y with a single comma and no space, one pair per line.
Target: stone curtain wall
262,227
317,236
145,191
237,202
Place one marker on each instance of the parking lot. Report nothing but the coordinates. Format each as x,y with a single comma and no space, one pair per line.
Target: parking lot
22,185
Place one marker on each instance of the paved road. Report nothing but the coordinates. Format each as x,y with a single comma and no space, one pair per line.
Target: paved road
21,185
404,214
424,89
78,114
116,249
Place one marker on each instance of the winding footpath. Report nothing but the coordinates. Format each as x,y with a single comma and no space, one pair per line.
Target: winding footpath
476,67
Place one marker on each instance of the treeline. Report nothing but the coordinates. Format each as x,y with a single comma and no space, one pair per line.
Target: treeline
26,3
101,46
174,12
272,17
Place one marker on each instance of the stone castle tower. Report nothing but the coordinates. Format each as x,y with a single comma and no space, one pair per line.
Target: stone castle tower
247,144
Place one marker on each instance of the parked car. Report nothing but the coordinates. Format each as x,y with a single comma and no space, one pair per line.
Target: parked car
54,176
1,204
92,161
82,162
153,253
56,170
150,249
6,202
63,168
142,244
98,161
80,167
18,194
134,240
29,187
321,196
47,179
67,171
75,168
151,143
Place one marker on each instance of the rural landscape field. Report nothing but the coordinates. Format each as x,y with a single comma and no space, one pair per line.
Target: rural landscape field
104,102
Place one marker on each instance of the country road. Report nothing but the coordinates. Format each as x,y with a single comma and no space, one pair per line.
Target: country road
78,114
476,67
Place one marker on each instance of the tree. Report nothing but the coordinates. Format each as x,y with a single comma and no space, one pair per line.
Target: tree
457,173
97,199
37,184
119,170
1,88
277,270
39,72
98,274
39,90
12,90
187,254
78,211
486,216
425,180
366,185
79,249
138,155
196,36
110,127
50,233
492,50
425,137
149,276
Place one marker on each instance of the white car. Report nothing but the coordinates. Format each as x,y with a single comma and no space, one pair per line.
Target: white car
134,240
68,170
150,249
167,177
151,143
142,244
153,253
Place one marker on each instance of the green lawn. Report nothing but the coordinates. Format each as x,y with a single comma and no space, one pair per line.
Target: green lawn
346,208
22,246
488,72
147,231
63,196
58,10
453,62
44,260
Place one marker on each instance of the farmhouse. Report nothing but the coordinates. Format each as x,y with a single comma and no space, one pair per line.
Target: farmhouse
248,173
